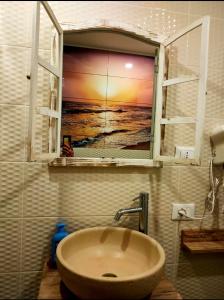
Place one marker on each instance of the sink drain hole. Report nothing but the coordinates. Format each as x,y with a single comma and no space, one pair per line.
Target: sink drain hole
109,275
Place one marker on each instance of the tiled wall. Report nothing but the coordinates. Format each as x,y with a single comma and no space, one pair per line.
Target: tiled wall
33,197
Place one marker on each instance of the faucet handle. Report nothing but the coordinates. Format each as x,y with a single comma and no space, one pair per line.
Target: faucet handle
136,198
142,195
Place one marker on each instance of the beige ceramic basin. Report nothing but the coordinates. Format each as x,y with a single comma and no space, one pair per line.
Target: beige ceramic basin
110,263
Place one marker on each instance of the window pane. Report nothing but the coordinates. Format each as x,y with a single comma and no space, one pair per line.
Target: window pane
48,39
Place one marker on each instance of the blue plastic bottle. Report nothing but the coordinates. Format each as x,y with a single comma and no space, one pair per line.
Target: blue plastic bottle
57,237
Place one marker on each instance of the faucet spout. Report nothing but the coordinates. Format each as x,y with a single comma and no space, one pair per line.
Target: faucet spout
142,210
124,211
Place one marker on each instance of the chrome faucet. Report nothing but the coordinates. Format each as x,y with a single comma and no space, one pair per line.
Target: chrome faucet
142,210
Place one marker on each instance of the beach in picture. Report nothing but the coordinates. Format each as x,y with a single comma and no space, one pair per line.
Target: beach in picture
107,99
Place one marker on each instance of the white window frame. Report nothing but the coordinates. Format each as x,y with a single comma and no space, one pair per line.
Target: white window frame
56,71
159,121
202,80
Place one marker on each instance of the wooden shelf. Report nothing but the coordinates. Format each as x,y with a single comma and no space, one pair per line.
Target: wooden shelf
102,162
203,241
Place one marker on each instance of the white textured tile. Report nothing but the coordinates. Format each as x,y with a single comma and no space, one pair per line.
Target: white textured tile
99,191
212,8
36,241
10,241
175,6
11,187
9,285
77,223
165,22
164,231
216,43
210,125
194,186
215,93
164,189
155,19
29,285
12,131
201,280
15,22
41,193
13,72
169,272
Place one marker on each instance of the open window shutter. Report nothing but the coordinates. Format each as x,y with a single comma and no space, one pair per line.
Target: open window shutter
53,68
162,83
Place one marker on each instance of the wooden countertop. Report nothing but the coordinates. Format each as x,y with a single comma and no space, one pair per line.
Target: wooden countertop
51,287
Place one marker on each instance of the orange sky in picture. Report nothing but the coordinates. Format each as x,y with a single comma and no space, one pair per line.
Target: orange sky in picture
116,77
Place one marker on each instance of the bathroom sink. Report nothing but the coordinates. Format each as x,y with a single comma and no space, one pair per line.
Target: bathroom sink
110,263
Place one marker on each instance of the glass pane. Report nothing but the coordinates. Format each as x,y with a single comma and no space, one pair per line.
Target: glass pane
46,134
42,134
48,39
183,55
54,133
176,135
181,100
47,89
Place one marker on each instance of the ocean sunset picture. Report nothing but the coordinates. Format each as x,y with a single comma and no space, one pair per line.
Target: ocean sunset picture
107,99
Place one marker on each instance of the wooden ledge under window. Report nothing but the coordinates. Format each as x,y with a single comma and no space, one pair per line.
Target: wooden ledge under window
102,162
203,241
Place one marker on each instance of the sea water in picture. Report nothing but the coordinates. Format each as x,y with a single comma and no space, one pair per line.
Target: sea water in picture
107,99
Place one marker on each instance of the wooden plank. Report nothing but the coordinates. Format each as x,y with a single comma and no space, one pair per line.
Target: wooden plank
192,235
203,241
165,290
179,80
48,67
204,247
51,287
173,159
178,120
102,162
46,157
45,111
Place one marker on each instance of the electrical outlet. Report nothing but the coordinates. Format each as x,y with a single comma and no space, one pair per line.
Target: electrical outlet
189,208
184,152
